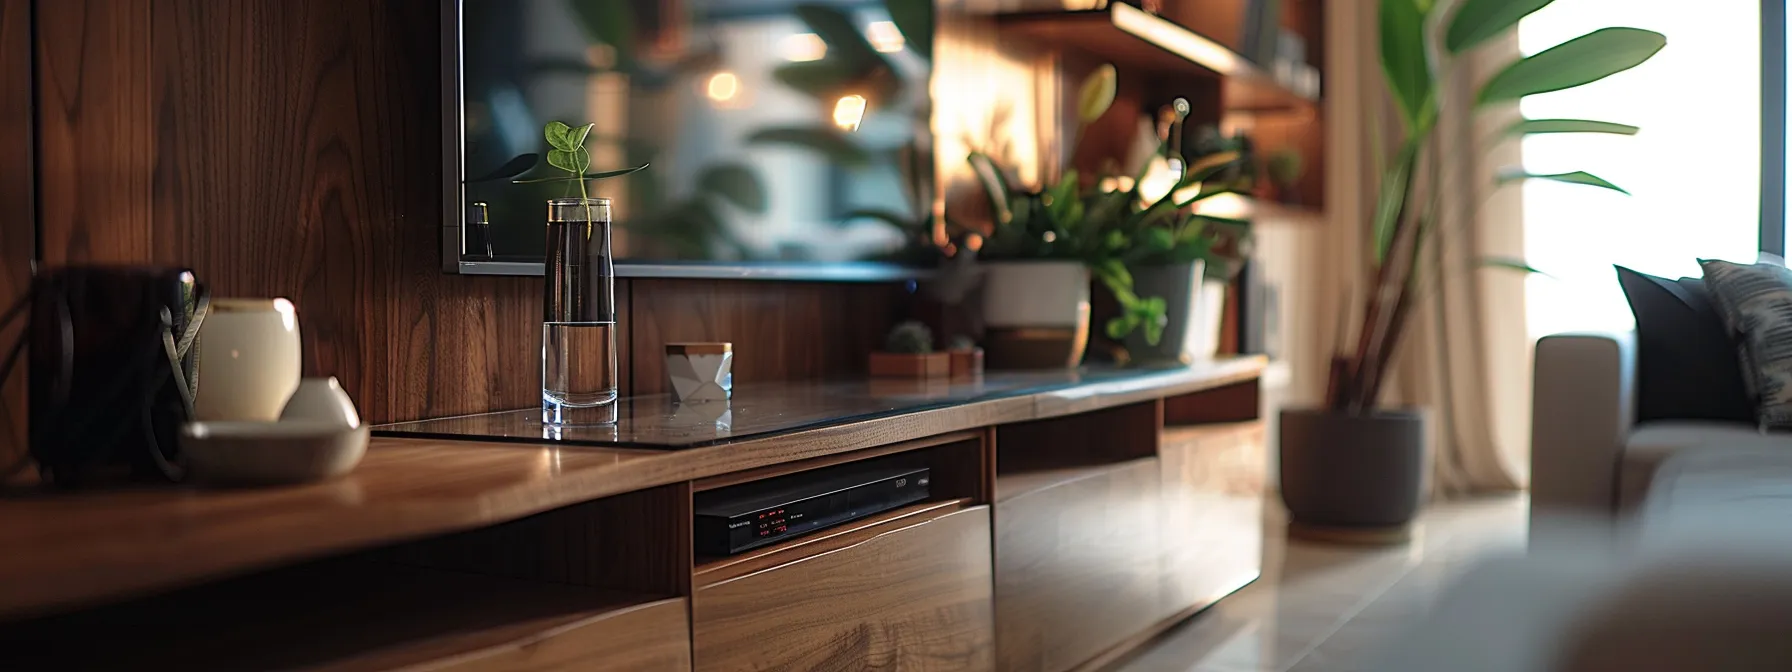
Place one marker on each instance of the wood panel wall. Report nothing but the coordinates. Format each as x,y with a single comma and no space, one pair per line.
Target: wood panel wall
17,223
291,148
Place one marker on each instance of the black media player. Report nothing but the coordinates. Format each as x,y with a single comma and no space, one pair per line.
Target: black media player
748,516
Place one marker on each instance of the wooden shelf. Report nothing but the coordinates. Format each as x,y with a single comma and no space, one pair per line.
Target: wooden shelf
1131,37
353,615
716,569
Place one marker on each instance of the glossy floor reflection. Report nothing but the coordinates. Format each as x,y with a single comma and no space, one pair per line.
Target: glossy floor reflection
1326,608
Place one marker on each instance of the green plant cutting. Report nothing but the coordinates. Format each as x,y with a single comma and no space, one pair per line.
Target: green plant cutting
567,152
1408,209
1106,229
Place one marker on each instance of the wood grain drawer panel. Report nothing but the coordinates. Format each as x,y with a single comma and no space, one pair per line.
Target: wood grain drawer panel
1078,566
654,636
912,598
1213,490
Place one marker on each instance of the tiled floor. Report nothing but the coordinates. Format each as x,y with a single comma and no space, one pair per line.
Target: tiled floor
1322,608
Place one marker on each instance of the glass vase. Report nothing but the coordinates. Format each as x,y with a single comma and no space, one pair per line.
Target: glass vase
578,330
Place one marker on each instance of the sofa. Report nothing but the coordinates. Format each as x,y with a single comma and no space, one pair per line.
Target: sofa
1655,545
1589,455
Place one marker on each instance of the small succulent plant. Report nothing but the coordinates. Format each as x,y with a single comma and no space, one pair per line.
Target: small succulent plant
909,337
961,342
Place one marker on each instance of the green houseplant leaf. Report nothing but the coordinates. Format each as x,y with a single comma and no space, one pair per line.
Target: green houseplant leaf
1511,264
1537,126
1477,21
1577,177
555,132
1407,63
588,176
1097,93
1582,60
825,140
737,183
995,186
914,18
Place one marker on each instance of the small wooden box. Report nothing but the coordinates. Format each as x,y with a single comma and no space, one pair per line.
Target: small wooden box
905,365
966,363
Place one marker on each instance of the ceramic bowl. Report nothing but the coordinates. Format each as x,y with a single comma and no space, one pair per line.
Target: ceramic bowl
292,451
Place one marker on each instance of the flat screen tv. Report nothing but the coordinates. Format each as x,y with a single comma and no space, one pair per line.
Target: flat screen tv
784,139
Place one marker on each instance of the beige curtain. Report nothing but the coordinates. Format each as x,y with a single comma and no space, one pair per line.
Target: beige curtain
1465,357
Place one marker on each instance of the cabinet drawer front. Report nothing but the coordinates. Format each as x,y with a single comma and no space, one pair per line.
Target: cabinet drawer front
914,598
1079,568
654,636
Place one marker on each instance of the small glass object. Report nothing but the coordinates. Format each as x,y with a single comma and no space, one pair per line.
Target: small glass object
701,372
578,331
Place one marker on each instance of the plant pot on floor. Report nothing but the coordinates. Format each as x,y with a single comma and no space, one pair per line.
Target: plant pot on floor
1195,306
1352,478
1035,314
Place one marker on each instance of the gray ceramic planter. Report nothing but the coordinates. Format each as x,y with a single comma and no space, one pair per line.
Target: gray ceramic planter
1188,335
1351,471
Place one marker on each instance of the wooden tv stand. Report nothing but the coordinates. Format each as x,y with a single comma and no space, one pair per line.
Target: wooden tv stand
1073,516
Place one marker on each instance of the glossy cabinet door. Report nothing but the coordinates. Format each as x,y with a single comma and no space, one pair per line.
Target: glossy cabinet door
906,597
1213,488
1078,563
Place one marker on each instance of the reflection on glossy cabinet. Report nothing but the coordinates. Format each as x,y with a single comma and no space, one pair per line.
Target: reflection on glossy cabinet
915,597
1213,489
1078,563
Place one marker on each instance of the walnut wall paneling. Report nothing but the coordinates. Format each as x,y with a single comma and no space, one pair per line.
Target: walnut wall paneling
17,226
780,331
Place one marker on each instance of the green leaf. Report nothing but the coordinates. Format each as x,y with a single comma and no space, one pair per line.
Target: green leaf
914,18
821,79
575,137
1119,327
1536,126
1582,60
1511,264
995,186
1393,194
1097,93
1159,240
556,132
828,141
1154,317
1206,167
1407,63
608,22
737,183
565,160
836,29
1477,21
1577,177
588,176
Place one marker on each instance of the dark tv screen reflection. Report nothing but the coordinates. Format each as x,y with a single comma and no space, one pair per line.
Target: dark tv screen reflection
776,132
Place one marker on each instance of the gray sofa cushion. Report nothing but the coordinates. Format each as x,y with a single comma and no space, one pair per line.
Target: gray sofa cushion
1651,444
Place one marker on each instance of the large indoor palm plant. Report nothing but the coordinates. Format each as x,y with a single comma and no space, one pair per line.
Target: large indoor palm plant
1351,463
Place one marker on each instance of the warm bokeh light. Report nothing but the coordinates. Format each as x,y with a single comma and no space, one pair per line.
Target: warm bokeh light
1160,177
884,36
723,87
803,47
848,112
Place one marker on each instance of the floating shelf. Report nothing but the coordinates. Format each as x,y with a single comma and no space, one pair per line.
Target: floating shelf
1129,36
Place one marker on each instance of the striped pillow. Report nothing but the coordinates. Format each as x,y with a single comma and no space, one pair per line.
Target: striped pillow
1756,303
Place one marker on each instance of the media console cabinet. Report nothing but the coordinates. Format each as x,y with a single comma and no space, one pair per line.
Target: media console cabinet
1073,516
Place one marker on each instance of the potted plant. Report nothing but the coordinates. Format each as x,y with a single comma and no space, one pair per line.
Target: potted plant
1352,463
1046,244
908,353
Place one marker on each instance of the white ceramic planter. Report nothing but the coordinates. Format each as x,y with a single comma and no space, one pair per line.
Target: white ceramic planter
1035,313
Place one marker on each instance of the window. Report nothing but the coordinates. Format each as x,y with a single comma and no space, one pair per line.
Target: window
1693,172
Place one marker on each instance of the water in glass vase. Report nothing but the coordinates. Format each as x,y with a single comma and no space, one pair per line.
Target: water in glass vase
578,373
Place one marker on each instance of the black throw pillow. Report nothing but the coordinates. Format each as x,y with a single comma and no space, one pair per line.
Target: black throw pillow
1687,365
